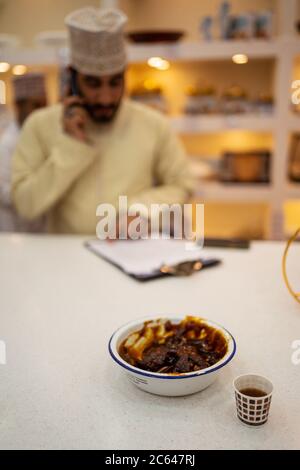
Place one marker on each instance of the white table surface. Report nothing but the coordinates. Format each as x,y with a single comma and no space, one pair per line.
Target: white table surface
59,304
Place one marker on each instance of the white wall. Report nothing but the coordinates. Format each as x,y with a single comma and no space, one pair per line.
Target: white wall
28,17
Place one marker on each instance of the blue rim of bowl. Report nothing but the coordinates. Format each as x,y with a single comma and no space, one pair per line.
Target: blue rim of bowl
188,375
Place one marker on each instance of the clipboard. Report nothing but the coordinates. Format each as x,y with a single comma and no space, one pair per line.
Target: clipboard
146,260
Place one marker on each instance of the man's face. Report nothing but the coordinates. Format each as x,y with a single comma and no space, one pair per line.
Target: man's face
102,95
27,106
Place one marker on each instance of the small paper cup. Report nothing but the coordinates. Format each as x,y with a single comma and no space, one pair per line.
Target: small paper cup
252,410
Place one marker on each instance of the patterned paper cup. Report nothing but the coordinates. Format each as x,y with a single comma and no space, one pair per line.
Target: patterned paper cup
251,408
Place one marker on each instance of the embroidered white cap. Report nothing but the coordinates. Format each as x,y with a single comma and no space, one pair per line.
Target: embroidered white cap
97,45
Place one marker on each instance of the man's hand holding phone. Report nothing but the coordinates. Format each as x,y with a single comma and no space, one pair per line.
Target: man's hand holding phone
75,118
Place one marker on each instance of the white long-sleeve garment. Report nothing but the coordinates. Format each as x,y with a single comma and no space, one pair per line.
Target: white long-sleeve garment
10,221
57,175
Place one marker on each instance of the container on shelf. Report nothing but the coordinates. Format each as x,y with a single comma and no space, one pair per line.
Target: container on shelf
205,28
201,100
150,94
264,24
224,20
246,167
242,26
235,100
264,104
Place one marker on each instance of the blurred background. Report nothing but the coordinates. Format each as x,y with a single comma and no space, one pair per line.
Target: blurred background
221,71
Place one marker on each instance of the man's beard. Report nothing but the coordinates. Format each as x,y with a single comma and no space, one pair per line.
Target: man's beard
102,114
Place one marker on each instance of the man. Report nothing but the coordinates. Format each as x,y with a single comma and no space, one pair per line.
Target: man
29,95
98,145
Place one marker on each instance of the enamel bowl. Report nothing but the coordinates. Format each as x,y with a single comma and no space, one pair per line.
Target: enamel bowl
167,384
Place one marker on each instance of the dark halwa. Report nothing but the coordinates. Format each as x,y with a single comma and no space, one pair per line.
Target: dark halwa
165,347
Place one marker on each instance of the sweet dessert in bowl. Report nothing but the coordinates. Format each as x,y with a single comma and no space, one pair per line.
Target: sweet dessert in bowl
172,356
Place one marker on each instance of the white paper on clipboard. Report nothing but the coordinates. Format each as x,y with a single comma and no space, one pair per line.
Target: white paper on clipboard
143,257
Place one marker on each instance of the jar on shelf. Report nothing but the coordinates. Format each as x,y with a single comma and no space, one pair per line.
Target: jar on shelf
201,100
264,24
150,94
242,26
235,100
264,104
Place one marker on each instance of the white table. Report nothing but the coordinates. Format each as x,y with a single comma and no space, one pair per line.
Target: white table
59,304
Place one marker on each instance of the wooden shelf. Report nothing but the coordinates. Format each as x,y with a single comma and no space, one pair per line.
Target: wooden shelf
205,50
235,192
195,124
182,51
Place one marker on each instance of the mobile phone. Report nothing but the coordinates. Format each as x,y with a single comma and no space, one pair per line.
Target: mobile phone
73,83
74,87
